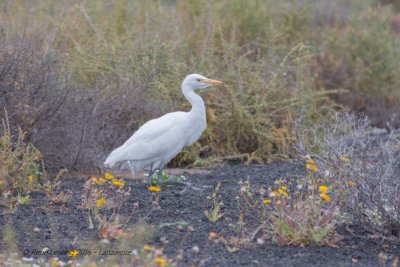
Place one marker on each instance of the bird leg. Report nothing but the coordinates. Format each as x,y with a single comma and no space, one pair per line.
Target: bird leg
159,177
149,178
131,168
186,185
176,183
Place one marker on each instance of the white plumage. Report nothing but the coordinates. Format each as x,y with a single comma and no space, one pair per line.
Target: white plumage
159,140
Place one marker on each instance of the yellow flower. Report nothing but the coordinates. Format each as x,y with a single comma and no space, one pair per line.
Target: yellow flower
345,159
54,262
101,202
350,183
323,188
109,176
30,178
147,247
310,161
314,168
325,197
99,181
92,179
267,201
284,188
118,183
154,189
212,235
310,165
160,261
279,192
73,253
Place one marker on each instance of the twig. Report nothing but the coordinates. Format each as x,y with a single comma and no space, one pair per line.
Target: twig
256,232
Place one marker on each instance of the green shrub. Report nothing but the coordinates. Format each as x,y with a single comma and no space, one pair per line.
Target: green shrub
21,167
363,57
301,212
126,61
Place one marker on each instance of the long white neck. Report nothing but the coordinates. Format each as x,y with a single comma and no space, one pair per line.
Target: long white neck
198,108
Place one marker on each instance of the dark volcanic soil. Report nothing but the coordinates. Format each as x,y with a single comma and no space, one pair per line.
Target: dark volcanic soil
41,225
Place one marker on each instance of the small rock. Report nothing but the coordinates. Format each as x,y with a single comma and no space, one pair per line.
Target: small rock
383,256
36,229
164,240
105,241
260,241
195,249
212,235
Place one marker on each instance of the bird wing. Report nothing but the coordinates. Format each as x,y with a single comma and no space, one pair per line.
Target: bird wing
152,139
156,127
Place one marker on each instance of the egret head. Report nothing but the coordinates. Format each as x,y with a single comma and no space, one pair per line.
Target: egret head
197,81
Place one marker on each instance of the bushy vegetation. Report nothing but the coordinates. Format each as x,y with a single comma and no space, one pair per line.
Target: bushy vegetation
366,163
84,76
351,179
302,212
21,168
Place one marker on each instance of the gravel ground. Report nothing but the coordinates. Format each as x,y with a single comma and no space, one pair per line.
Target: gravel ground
40,225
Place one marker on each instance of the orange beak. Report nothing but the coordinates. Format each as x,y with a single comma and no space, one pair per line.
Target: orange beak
213,82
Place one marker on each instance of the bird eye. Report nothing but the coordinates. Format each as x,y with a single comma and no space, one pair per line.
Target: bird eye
199,80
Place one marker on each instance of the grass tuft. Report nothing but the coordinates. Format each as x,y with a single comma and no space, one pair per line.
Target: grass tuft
21,170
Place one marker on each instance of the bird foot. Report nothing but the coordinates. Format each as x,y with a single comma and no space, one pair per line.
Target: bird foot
183,184
148,180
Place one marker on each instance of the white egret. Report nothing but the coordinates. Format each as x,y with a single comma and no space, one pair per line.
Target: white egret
159,140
